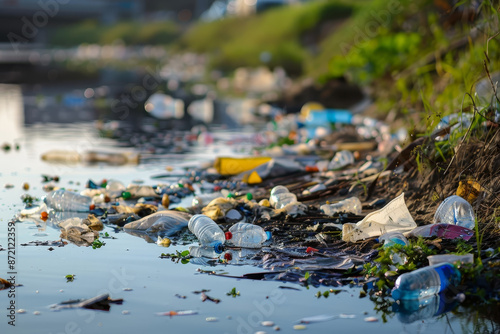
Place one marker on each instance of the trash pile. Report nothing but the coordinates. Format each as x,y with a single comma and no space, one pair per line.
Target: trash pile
332,204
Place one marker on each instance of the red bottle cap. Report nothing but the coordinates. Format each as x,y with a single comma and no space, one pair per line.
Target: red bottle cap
229,235
310,250
228,256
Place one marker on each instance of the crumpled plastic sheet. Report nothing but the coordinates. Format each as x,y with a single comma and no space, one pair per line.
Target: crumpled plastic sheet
445,231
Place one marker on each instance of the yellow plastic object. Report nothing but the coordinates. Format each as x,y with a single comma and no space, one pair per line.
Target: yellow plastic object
233,166
468,190
253,178
306,108
163,242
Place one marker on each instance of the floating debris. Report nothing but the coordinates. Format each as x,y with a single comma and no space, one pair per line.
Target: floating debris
371,319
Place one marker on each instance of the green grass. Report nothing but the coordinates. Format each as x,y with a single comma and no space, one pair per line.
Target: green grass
129,33
235,42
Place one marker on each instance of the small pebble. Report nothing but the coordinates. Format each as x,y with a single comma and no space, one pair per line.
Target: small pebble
61,290
229,317
371,319
267,323
37,313
26,186
125,312
277,328
211,319
21,311
127,289
299,327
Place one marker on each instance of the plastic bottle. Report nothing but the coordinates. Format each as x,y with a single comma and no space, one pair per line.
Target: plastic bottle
409,311
425,281
207,231
317,118
281,196
247,235
204,199
201,251
351,204
393,238
341,159
62,200
457,211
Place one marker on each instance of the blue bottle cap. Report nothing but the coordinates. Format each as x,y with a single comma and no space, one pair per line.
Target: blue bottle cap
218,247
269,235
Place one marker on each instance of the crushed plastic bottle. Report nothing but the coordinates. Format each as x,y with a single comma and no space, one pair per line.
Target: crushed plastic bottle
167,222
62,200
207,231
281,196
457,211
393,238
425,281
341,159
247,235
351,204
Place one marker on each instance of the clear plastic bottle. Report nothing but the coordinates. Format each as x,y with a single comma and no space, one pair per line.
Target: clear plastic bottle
207,231
341,159
457,211
62,200
115,188
393,238
425,281
247,235
204,199
201,251
351,204
281,196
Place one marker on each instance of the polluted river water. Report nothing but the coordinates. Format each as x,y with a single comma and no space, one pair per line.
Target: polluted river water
130,268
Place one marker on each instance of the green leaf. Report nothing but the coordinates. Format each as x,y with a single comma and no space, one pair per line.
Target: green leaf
185,253
307,275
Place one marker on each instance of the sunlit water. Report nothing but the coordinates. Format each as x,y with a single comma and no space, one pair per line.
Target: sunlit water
128,262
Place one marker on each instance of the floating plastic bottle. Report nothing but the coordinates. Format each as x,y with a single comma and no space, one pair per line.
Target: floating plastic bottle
409,311
341,159
393,238
167,222
281,196
351,204
201,251
208,232
62,200
247,235
457,211
425,281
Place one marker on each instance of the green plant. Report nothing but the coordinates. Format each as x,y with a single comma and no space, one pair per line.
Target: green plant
233,293
177,257
97,243
70,278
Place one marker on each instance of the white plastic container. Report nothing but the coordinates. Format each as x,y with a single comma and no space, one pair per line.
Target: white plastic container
351,204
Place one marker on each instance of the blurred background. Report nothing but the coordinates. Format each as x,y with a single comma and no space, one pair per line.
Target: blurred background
189,62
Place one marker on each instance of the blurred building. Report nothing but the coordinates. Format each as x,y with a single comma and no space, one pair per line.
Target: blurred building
28,20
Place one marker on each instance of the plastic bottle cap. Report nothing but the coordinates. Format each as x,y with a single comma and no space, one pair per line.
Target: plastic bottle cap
269,235
229,235
228,256
218,247
249,196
